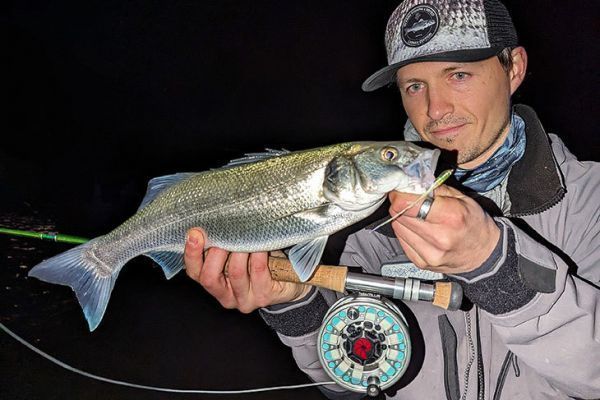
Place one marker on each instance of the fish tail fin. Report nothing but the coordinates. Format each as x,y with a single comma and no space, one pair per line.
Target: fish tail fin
90,278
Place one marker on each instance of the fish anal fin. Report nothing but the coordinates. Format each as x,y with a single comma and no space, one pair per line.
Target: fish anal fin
171,262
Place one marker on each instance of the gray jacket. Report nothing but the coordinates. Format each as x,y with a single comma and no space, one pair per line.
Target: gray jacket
533,332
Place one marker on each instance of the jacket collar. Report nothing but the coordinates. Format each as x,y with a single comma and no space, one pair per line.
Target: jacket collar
535,183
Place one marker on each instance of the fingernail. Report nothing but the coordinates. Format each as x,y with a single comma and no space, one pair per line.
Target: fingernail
192,238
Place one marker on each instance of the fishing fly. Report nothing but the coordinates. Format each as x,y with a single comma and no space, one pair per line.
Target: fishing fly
437,183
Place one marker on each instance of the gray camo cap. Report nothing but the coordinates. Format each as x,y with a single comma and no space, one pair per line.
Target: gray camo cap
443,30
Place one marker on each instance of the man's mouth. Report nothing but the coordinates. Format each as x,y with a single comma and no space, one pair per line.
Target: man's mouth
447,131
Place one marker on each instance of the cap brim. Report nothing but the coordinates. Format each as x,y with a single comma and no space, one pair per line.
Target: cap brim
387,74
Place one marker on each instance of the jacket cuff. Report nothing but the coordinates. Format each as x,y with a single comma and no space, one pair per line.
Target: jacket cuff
498,286
297,318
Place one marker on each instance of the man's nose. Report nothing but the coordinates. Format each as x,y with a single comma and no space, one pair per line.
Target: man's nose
439,103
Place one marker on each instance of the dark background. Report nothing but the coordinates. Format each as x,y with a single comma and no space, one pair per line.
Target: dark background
104,95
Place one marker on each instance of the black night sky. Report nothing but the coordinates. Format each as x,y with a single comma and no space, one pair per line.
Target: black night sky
104,95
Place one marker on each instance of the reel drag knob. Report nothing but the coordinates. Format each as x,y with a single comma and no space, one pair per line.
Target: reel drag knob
363,344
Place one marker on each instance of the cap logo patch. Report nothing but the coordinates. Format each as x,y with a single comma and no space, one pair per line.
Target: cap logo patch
420,24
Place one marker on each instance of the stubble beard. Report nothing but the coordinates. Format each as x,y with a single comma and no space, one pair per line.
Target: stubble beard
472,153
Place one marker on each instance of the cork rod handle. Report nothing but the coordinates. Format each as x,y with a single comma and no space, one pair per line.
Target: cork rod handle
447,295
325,276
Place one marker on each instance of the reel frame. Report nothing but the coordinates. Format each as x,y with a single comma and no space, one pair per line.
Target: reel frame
364,343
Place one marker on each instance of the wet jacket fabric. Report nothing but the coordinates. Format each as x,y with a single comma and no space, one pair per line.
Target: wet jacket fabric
533,331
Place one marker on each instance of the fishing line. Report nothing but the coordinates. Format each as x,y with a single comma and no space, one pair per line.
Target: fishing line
145,387
56,237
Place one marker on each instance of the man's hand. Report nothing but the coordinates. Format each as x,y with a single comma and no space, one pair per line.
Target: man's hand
456,237
247,283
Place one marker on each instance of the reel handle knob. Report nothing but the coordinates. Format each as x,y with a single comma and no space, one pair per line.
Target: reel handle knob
373,388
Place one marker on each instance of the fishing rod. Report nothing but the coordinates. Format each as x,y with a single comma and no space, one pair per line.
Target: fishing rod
55,237
447,295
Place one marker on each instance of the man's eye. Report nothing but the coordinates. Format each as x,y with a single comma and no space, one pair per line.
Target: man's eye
461,76
414,88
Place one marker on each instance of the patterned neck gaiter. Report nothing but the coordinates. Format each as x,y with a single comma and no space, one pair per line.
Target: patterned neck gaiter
492,172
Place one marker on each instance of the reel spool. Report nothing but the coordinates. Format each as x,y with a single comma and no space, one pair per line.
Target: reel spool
364,343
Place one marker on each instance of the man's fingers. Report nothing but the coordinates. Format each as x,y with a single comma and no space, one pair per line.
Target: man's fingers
412,254
260,279
211,275
445,202
239,279
400,202
448,191
192,256
414,246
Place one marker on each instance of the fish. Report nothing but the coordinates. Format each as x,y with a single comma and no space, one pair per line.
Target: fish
419,26
261,202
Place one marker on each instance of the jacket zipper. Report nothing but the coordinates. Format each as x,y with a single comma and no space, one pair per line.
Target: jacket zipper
480,372
473,355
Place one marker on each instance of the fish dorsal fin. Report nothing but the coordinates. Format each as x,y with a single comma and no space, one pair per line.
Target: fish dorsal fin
254,157
170,261
306,256
157,185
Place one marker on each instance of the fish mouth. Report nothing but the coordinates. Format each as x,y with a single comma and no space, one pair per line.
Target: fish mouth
421,171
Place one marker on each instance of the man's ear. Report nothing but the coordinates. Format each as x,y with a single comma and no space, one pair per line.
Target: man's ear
519,68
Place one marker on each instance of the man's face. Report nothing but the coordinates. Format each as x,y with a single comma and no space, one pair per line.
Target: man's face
458,106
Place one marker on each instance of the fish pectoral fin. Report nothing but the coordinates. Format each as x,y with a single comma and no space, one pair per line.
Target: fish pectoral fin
170,261
306,256
157,185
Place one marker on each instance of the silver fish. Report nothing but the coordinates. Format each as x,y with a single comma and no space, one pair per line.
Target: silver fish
419,26
263,202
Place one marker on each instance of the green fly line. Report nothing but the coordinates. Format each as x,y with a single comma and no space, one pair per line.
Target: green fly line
55,237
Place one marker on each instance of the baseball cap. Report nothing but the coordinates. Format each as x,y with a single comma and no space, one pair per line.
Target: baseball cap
443,30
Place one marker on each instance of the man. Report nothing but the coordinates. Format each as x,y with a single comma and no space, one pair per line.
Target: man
522,235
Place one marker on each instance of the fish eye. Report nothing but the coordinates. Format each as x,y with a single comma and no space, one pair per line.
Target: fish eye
389,154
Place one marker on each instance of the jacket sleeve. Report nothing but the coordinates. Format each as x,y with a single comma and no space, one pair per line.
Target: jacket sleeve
541,296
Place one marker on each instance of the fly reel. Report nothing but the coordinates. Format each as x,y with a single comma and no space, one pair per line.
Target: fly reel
364,344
